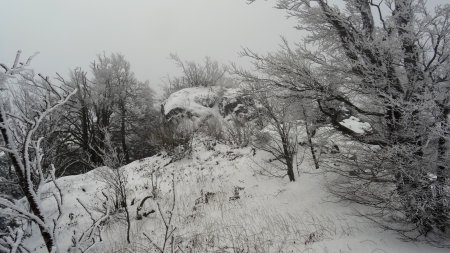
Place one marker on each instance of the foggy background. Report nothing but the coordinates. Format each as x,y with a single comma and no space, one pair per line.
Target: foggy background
69,34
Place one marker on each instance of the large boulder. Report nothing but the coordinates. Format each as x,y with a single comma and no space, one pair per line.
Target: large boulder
234,103
197,103
192,103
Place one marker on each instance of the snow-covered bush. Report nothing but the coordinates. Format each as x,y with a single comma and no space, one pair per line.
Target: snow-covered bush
175,137
21,125
196,75
212,126
238,131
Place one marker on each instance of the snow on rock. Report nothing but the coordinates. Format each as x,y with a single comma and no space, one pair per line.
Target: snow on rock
356,125
234,103
201,102
191,102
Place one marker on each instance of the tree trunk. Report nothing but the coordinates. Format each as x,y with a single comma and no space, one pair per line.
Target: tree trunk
85,127
404,12
127,212
123,132
313,153
288,156
309,135
34,206
103,125
290,168
441,214
24,184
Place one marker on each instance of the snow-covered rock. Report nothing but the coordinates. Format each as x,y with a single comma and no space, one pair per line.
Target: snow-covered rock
234,103
201,102
356,125
196,102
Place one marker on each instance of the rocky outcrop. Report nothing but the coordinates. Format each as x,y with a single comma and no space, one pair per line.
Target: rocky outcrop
201,102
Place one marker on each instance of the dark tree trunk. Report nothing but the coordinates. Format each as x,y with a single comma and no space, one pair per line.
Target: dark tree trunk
46,235
310,143
313,152
289,157
127,212
122,185
404,13
442,175
85,127
26,187
123,119
103,125
441,216
290,169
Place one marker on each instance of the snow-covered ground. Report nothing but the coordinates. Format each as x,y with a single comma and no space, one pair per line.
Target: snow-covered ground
223,200
245,210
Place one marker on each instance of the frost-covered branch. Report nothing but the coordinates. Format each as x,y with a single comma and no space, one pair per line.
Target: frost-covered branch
384,63
169,229
12,243
19,125
93,234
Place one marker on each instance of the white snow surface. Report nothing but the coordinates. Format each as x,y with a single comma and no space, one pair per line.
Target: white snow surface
356,125
271,212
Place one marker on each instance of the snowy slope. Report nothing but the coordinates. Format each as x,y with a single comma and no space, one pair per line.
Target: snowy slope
270,215
224,203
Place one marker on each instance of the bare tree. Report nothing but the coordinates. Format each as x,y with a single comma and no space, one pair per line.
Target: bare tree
113,99
76,144
281,138
20,122
120,100
386,63
116,180
195,74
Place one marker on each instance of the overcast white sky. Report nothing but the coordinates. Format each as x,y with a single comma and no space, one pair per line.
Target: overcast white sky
71,33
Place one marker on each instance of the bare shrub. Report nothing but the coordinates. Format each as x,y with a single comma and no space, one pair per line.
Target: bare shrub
238,131
86,241
169,243
212,126
280,140
196,75
175,137
116,180
264,231
366,177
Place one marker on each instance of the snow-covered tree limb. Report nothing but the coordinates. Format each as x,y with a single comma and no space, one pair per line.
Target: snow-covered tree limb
19,125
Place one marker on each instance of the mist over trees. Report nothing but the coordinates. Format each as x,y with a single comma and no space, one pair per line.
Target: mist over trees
113,100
